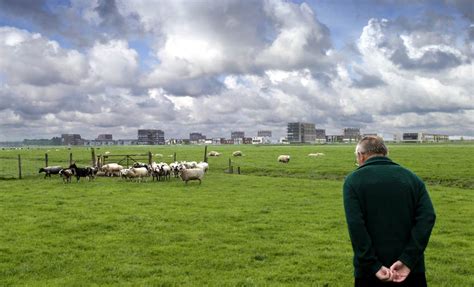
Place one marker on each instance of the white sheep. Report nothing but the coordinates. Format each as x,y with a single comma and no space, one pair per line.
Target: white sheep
213,153
284,158
191,174
203,165
237,153
112,169
138,173
316,154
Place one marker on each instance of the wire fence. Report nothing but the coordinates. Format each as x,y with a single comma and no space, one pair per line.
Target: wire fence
24,163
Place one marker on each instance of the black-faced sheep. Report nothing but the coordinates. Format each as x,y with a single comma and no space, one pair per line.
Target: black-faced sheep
284,158
81,171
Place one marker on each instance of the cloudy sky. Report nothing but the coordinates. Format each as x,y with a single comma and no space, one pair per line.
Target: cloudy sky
114,66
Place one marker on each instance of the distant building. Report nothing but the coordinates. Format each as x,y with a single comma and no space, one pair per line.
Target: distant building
151,137
197,138
424,137
267,134
127,142
261,140
320,135
217,140
334,138
71,139
370,135
283,140
301,133
351,134
237,135
104,137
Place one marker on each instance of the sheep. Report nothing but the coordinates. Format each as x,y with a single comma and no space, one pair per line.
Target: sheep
160,170
237,153
203,165
81,172
316,154
175,168
49,170
213,153
125,173
138,173
111,169
140,164
66,174
284,158
191,174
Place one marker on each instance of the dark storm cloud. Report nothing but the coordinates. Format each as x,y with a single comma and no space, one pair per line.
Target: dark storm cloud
465,7
364,80
194,87
431,60
34,10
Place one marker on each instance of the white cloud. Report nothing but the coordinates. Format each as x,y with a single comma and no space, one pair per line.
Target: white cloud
113,63
218,66
30,58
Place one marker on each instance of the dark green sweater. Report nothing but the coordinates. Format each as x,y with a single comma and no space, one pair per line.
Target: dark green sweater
389,215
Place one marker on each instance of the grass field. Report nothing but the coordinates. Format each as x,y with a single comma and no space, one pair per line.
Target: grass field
274,225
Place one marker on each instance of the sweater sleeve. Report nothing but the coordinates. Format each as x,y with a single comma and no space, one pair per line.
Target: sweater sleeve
364,252
420,233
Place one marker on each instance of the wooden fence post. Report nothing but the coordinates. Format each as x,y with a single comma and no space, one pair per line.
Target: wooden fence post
174,157
94,160
205,153
149,157
230,166
19,166
70,158
238,170
46,159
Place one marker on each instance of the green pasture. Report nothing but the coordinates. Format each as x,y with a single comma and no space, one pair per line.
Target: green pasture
273,225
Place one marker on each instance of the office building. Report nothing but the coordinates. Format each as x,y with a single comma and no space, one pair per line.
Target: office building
151,137
301,133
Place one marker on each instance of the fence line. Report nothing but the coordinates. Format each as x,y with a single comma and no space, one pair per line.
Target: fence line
19,166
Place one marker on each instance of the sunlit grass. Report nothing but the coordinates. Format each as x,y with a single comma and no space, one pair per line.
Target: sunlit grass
280,226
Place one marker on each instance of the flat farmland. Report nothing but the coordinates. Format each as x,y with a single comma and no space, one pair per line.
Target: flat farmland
274,224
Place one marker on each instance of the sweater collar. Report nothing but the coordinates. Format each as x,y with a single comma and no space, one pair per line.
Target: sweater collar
376,160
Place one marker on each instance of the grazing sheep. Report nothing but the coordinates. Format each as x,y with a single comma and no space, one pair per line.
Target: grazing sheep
213,153
316,154
284,158
49,170
203,165
237,153
112,169
66,174
191,174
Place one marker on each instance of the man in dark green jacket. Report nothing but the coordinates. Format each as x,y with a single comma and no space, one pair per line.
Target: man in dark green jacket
390,218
